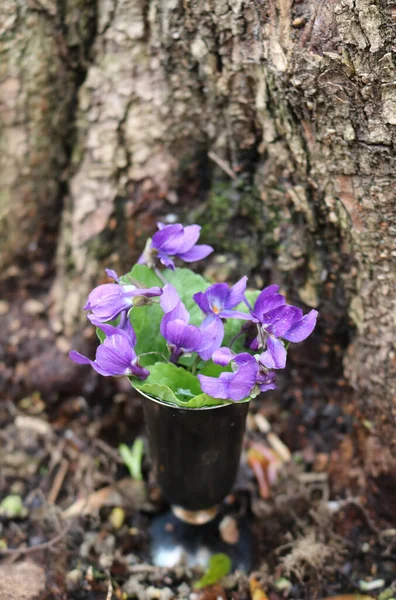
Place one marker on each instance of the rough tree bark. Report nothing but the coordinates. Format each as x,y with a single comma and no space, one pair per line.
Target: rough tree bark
44,48
270,120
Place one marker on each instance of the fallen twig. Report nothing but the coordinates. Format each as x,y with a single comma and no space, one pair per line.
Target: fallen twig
222,164
58,481
43,546
109,591
125,493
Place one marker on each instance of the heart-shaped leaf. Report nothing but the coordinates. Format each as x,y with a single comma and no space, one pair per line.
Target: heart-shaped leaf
173,384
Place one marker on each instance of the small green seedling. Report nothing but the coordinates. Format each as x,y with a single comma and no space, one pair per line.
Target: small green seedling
219,567
133,457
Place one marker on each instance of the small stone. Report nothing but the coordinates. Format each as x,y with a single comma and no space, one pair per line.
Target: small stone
88,543
4,307
13,271
299,21
73,579
159,593
22,581
105,545
34,307
18,488
44,334
183,590
117,517
14,325
38,425
229,530
63,344
56,325
106,561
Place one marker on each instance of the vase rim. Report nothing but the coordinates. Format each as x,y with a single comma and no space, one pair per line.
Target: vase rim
170,405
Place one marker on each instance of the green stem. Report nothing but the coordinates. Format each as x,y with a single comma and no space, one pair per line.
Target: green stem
154,352
195,364
160,276
234,339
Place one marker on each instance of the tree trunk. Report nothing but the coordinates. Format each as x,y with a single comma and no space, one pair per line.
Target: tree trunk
272,124
44,47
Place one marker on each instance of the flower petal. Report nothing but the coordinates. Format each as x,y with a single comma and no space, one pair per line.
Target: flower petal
233,386
112,274
223,356
107,301
124,325
179,312
196,253
236,293
266,387
275,355
166,261
107,371
235,314
189,239
217,387
268,302
146,292
167,239
243,381
182,335
268,291
139,371
244,358
202,302
212,331
79,358
170,298
267,381
217,295
279,320
120,344
301,329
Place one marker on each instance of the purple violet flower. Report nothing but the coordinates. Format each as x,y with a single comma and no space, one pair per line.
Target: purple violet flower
212,337
107,301
175,241
183,337
217,303
276,319
123,324
219,299
116,356
248,373
175,328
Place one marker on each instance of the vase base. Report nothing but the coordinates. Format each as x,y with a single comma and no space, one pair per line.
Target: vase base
175,542
195,517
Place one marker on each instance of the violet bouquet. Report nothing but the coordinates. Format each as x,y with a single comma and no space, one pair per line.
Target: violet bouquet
185,341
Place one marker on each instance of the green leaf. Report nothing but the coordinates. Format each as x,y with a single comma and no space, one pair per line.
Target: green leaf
146,322
219,567
187,284
182,384
101,335
211,369
145,275
132,458
175,385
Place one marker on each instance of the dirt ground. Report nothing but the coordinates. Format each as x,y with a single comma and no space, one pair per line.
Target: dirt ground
322,525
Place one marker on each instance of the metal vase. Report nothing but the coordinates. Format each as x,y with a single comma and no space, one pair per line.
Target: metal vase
195,454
